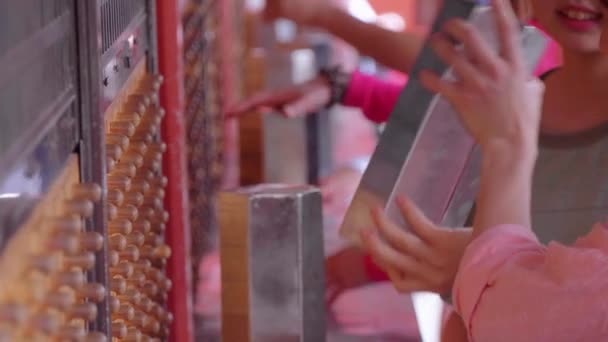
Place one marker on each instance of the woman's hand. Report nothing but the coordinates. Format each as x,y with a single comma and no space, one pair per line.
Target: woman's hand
493,93
425,259
301,12
294,101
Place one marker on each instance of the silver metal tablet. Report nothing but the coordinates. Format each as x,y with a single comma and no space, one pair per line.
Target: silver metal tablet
424,152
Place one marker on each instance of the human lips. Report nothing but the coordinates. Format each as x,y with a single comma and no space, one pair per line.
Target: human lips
579,18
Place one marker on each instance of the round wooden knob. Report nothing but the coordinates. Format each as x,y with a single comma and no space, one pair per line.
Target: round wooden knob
92,291
131,295
147,213
153,165
153,202
74,279
91,241
162,252
67,225
155,274
140,319
137,280
136,239
143,265
135,106
113,152
117,242
128,212
85,261
153,156
129,116
130,253
168,317
150,289
143,135
116,197
86,311
134,198
71,333
133,158
141,186
142,226
122,128
159,228
87,191
13,314
159,192
166,284
112,212
153,326
146,304
47,263
114,304
119,330
119,182
83,208
113,258
125,312
118,140
95,337
110,164
133,335
64,242
120,226
60,300
118,285
125,170
153,240
123,269
44,322
145,175
139,147
141,98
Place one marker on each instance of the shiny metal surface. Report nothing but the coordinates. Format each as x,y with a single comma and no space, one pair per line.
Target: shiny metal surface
39,122
424,151
271,239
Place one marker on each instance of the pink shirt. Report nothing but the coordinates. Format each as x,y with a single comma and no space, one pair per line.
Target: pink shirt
512,288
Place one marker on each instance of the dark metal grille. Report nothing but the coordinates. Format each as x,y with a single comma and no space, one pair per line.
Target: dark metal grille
203,120
37,69
116,15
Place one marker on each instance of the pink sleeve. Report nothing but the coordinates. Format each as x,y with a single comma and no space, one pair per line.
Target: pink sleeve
511,288
375,97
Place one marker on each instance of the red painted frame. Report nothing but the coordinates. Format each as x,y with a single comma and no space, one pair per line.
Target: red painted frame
178,235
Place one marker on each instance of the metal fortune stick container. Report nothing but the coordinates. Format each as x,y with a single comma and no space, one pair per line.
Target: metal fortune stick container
424,152
271,241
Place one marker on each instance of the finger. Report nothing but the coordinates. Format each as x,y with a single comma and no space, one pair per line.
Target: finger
399,239
508,31
387,257
404,283
417,221
446,88
475,47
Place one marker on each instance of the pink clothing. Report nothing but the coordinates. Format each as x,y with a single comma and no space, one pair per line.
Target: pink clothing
377,97
509,287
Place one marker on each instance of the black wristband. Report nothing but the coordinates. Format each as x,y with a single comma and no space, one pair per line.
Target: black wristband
338,83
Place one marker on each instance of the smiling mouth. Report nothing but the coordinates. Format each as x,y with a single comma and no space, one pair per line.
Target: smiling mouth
580,14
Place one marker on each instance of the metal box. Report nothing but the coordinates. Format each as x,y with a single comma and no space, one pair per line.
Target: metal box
271,241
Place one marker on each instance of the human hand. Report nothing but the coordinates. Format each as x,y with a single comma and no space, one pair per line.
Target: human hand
293,101
425,259
301,12
338,189
494,94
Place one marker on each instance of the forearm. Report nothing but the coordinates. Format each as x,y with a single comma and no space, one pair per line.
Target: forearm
396,50
505,186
